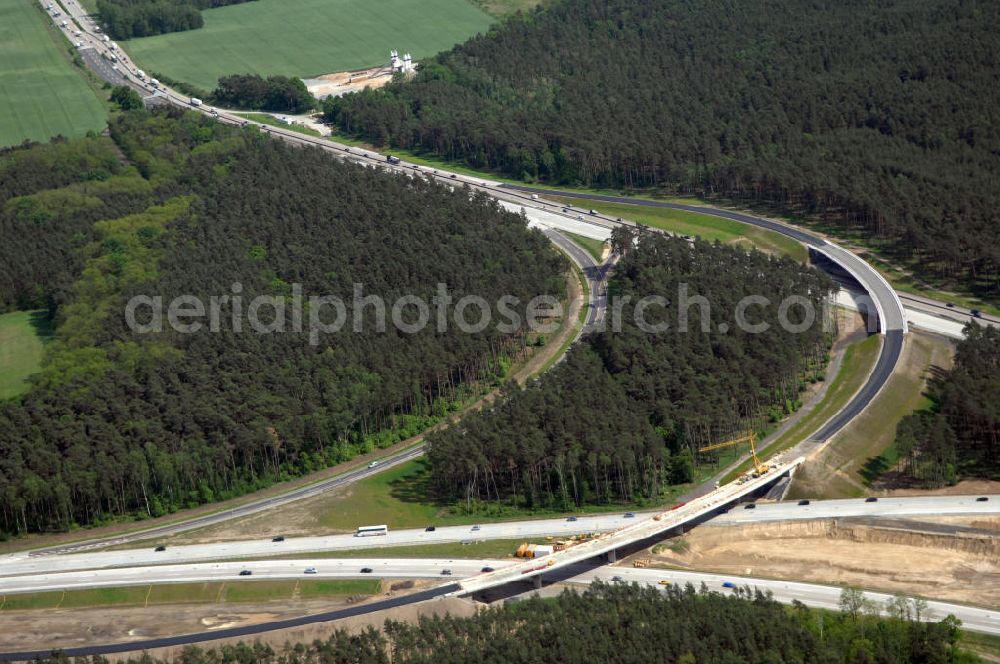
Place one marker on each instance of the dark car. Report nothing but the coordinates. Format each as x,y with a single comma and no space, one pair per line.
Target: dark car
804,501
278,538
245,572
750,506
160,548
728,584
486,569
871,499
446,572
982,499
950,305
430,529
571,518
976,313
453,176
366,570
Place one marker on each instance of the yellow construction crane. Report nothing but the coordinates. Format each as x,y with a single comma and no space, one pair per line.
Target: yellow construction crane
750,438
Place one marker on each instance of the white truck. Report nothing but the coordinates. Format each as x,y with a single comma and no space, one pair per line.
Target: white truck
195,101
141,74
155,83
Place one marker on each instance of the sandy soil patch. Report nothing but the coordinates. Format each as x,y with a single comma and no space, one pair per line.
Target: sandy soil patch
341,83
962,567
27,630
963,488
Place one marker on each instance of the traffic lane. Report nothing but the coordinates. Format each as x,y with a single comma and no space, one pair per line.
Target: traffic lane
878,288
103,68
16,564
594,274
882,507
816,595
954,312
325,568
243,510
892,349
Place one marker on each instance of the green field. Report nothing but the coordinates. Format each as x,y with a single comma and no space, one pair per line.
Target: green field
306,38
23,335
41,93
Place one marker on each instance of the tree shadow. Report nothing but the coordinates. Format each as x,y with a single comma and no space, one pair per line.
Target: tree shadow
873,468
416,486
42,324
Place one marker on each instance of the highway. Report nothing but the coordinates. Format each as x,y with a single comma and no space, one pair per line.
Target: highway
883,507
26,564
146,557
811,594
326,568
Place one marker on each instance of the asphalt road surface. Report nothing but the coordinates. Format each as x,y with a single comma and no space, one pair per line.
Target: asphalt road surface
855,507
271,570
21,564
820,596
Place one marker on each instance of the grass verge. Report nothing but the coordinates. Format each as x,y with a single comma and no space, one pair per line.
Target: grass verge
190,593
866,447
594,247
474,550
699,225
859,359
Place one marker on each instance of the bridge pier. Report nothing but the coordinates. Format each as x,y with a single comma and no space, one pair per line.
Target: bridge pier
612,556
537,581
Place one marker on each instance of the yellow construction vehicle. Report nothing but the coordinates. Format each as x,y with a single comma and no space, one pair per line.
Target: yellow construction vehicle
750,438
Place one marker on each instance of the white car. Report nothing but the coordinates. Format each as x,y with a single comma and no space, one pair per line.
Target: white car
373,464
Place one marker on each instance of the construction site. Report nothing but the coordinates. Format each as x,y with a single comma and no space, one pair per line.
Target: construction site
344,82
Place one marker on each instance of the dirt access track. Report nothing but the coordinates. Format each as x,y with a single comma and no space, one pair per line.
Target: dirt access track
951,559
38,629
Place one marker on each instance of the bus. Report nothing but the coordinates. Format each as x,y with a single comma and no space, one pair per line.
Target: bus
365,531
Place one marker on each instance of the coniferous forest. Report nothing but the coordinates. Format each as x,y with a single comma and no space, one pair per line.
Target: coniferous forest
625,413
617,623
960,435
119,423
879,118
